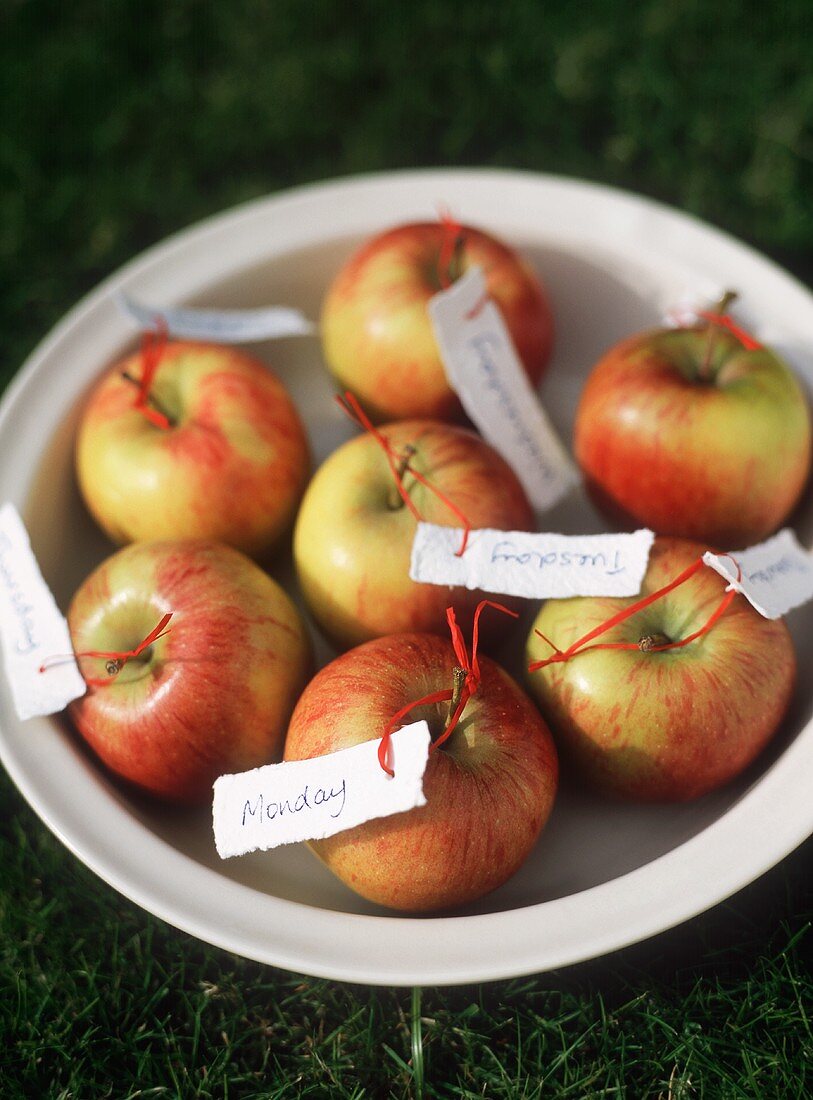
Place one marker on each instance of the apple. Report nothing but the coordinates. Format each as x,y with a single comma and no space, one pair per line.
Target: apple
663,725
231,467
690,433
377,337
353,535
489,788
214,693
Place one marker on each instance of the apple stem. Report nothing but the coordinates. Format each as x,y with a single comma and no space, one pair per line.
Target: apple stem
450,256
720,309
396,500
653,641
459,676
152,400
455,269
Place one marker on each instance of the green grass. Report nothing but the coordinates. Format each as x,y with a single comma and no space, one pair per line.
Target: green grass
121,122
101,999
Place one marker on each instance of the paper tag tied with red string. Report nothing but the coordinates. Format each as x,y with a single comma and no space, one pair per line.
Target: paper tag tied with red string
32,628
532,565
220,326
313,799
776,575
484,370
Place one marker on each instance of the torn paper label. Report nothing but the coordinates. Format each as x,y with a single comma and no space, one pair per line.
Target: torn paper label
316,798
777,575
220,326
32,628
483,368
532,565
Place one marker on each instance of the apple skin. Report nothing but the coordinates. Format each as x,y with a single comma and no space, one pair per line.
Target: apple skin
723,460
232,469
377,337
489,789
212,696
664,726
352,549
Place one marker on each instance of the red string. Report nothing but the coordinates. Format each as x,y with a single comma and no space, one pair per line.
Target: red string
153,345
470,686
452,233
582,646
354,410
120,657
722,320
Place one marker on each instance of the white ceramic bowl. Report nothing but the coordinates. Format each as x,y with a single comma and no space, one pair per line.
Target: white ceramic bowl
603,875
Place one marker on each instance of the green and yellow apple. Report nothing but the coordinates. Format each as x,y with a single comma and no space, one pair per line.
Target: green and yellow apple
353,536
377,337
231,467
215,693
489,788
690,433
668,725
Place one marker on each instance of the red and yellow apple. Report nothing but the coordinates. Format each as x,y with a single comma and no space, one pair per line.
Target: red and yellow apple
669,725
215,693
690,433
377,337
489,788
354,534
231,467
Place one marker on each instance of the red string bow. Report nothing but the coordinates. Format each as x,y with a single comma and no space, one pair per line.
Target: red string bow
471,684
583,644
354,410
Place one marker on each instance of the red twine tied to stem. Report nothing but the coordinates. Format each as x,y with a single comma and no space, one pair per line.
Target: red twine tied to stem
114,657
354,410
722,320
472,682
153,345
582,645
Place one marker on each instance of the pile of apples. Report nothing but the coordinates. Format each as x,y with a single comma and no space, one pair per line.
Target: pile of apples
196,459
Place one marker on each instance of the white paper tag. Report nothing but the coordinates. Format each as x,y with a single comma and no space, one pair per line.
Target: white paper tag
221,326
32,628
316,798
483,368
535,566
777,575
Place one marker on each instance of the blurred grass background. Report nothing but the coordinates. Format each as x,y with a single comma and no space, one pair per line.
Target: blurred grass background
122,122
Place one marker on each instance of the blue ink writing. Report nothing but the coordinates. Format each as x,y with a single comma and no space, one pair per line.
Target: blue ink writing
482,346
268,810
23,611
776,569
507,551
